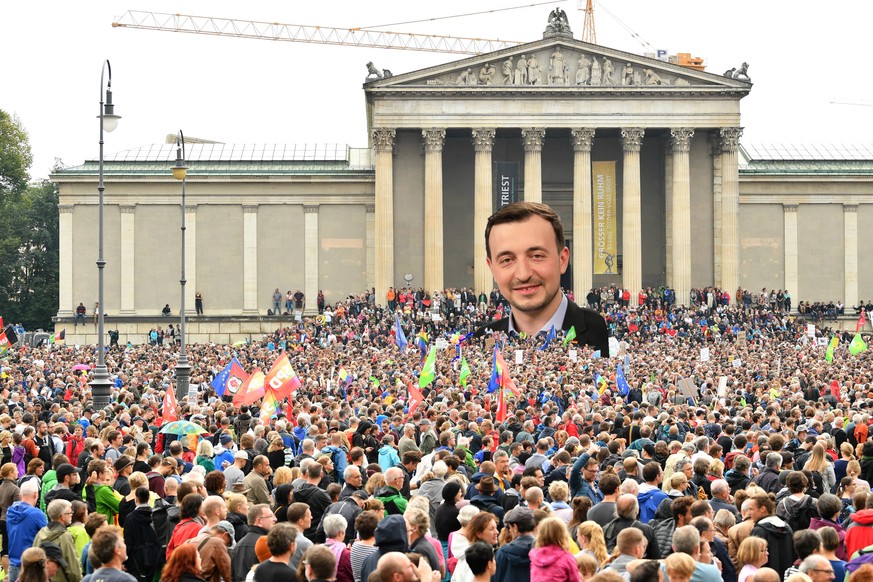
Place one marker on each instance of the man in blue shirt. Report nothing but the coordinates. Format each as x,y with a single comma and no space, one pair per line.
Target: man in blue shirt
23,521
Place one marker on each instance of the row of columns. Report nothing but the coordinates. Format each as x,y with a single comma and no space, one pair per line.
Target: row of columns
251,290
678,205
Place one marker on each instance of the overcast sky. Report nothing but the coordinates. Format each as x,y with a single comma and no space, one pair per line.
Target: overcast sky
802,55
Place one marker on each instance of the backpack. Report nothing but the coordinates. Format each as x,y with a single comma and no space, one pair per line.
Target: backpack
165,516
863,556
797,515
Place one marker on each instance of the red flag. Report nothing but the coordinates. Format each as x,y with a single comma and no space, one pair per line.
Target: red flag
415,398
252,390
501,407
1,322
236,378
281,379
861,321
169,411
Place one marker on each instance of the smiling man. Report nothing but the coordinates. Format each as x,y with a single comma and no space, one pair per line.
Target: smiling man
527,256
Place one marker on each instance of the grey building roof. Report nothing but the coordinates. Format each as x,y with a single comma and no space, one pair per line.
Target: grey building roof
806,159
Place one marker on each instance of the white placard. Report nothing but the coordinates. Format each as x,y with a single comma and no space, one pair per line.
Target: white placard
613,347
574,355
737,363
704,354
519,357
810,329
192,393
436,317
722,386
442,343
821,341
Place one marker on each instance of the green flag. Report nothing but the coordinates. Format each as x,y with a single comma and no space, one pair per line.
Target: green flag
858,345
571,335
374,381
465,371
428,371
829,355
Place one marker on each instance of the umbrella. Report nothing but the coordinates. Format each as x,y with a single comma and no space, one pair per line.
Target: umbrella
81,367
182,427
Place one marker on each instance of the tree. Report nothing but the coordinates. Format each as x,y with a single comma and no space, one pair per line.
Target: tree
15,156
29,256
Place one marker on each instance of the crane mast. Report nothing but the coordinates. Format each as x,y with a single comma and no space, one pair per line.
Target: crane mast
212,26
589,34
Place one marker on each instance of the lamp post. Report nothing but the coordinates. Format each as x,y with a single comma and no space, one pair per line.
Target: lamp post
183,369
108,121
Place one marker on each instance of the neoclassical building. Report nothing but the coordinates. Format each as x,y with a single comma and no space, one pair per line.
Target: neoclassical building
641,158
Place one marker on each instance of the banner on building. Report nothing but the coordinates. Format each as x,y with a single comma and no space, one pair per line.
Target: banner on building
605,239
505,184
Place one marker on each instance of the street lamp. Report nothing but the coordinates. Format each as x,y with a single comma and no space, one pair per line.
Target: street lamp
183,369
108,121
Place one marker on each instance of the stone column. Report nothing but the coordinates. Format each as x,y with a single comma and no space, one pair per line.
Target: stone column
583,248
533,163
128,257
370,209
850,230
631,220
789,212
250,260
715,145
433,208
483,142
668,211
310,256
383,143
681,140
191,258
730,208
66,306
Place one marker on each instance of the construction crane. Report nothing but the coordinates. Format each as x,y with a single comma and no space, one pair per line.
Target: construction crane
208,25
589,34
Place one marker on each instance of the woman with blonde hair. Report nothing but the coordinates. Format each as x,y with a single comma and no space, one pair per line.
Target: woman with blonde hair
591,541
205,453
376,481
33,566
847,453
559,491
276,451
282,475
550,559
853,470
818,464
752,554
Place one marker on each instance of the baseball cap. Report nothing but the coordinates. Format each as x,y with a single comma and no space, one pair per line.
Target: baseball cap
225,438
63,470
361,494
241,455
521,516
53,552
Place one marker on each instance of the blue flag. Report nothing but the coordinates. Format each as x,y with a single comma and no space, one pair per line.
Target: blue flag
219,384
623,387
400,337
496,374
549,337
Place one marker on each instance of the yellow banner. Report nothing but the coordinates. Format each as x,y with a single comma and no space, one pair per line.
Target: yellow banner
603,191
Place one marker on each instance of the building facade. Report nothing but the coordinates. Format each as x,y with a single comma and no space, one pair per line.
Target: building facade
641,158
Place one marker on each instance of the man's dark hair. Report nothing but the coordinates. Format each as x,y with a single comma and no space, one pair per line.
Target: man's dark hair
314,471
190,506
520,212
646,571
366,523
651,470
411,457
322,562
478,556
142,495
609,483
281,537
680,506
296,511
806,541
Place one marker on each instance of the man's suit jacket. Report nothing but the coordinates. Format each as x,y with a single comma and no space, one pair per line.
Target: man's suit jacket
590,327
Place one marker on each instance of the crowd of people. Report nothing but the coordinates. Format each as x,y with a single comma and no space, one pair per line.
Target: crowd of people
510,438
760,472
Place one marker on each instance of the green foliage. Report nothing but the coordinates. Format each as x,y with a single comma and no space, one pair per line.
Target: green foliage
29,256
15,155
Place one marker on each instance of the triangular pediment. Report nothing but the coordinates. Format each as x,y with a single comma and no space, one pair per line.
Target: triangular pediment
560,63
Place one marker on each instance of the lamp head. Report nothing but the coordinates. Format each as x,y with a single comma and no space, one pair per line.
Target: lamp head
180,169
110,120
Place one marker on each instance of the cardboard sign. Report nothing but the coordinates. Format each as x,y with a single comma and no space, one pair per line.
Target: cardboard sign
519,357
688,388
810,329
704,355
613,348
574,355
741,337
722,386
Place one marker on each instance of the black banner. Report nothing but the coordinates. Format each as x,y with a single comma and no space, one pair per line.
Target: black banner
505,175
